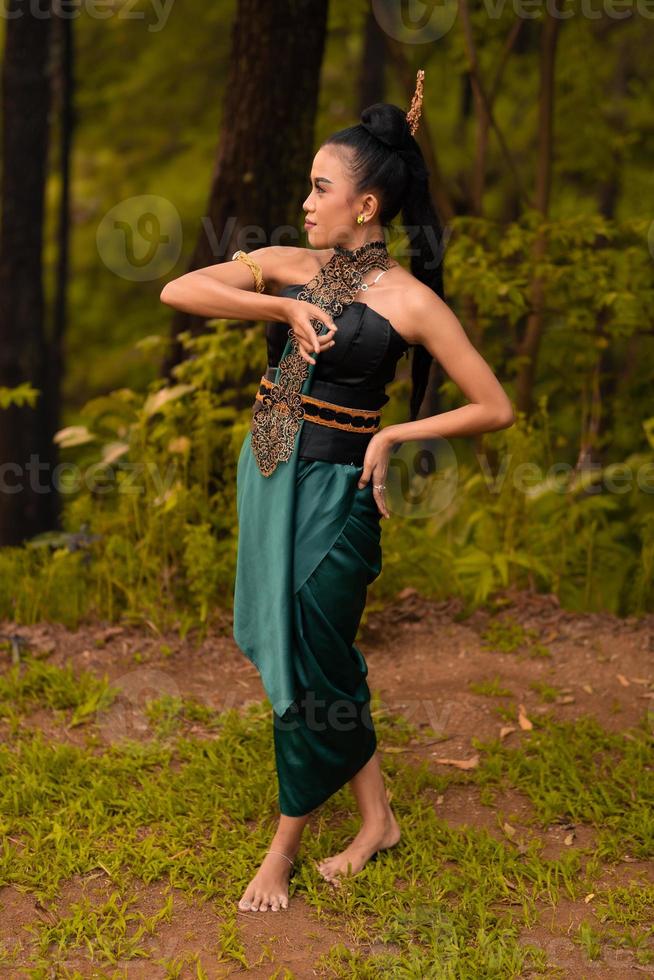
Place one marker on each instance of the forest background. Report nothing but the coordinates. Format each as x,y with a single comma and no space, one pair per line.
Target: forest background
140,141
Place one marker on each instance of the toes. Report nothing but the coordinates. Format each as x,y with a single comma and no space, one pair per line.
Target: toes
245,903
284,902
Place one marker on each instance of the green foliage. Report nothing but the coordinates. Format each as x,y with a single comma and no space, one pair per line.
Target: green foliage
150,521
530,525
23,394
149,518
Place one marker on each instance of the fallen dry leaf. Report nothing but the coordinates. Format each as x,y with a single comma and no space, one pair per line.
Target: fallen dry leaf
568,839
623,680
566,699
589,897
508,829
587,688
471,763
506,730
523,721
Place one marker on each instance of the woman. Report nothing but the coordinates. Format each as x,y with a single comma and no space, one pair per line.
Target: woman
311,471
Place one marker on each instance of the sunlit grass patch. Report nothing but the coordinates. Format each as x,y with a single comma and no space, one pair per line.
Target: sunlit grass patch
505,635
198,812
580,771
37,684
492,688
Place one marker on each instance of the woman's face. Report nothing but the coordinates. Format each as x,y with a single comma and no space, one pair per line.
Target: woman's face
331,205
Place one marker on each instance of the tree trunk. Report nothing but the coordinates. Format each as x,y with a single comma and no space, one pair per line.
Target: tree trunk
62,92
372,71
28,497
529,346
261,176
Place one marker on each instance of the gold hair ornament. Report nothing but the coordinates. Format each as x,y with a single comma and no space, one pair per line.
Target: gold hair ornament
413,115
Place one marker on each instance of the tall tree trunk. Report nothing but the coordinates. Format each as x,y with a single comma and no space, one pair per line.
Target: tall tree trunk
27,495
372,71
261,176
530,343
62,91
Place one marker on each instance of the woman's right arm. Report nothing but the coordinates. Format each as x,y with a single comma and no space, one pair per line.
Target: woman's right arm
227,290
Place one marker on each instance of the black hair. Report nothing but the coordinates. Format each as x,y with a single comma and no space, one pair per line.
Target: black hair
388,159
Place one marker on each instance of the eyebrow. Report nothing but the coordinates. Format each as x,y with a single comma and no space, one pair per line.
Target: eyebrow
326,179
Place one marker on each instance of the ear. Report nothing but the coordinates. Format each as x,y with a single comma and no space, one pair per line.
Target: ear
370,206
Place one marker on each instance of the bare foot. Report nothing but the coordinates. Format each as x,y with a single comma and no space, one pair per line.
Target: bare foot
269,887
354,857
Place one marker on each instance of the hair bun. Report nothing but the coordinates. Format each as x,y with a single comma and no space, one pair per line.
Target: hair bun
388,123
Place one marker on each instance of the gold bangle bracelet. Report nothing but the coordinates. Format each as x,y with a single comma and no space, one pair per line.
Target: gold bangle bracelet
256,269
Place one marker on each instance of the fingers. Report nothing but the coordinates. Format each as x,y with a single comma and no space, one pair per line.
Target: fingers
315,343
365,476
306,355
378,487
380,499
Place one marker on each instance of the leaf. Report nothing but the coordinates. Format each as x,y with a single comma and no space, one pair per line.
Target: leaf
113,451
623,680
506,730
523,721
73,435
471,763
156,401
181,444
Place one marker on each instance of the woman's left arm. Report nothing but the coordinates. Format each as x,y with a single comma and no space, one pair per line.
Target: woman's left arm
440,332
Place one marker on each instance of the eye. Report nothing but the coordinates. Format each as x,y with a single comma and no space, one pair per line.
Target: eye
321,190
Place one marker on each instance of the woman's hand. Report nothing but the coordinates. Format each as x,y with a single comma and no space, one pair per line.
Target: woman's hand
375,467
299,318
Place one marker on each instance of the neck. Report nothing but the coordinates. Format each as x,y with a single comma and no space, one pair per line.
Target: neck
356,250
363,237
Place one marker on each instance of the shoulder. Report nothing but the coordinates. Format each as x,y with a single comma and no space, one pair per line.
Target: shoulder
409,304
284,265
426,313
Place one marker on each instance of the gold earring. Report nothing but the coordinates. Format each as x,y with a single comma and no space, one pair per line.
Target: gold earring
360,219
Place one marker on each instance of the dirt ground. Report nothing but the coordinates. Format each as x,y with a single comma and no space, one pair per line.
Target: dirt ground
421,661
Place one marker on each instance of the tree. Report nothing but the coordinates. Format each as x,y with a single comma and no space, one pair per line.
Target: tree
264,156
26,432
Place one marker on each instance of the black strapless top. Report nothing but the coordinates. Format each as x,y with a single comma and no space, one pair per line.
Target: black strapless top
364,358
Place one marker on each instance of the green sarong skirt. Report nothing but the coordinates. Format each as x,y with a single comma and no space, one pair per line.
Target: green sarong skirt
308,547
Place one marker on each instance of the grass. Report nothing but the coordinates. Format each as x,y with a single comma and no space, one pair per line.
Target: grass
196,812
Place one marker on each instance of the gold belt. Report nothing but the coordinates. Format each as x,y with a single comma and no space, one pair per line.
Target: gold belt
327,413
